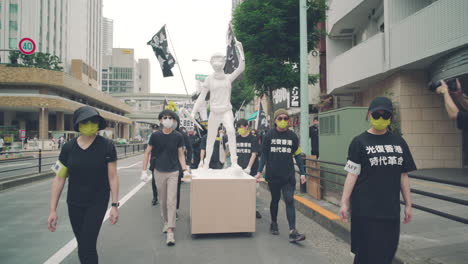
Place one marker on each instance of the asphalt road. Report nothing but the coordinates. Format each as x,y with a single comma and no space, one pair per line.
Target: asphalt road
137,238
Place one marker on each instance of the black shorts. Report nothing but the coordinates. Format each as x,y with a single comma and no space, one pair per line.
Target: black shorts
374,240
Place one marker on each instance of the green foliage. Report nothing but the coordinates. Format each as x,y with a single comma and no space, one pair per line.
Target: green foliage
241,91
36,60
269,32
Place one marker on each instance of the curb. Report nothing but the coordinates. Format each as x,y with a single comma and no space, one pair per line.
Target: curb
342,230
21,180
10,183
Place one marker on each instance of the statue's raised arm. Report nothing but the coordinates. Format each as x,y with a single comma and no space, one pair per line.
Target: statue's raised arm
240,50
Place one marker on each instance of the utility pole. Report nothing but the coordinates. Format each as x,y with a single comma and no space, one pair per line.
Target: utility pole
305,146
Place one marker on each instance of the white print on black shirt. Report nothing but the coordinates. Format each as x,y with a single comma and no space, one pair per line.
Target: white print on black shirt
385,160
283,145
244,147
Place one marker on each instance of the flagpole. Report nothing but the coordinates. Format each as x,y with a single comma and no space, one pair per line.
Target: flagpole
177,60
238,110
258,114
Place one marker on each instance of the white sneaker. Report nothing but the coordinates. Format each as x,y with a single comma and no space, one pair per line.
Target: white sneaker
170,241
165,228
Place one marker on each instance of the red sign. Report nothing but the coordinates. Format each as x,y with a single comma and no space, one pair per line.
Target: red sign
22,133
27,46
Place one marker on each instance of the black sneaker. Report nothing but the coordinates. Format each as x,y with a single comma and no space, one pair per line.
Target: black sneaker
258,215
154,202
274,229
296,237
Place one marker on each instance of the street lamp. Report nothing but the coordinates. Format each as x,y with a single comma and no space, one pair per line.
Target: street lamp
43,106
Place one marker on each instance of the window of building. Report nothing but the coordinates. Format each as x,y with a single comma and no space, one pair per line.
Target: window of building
13,9
104,89
13,25
13,43
123,89
104,82
104,70
104,75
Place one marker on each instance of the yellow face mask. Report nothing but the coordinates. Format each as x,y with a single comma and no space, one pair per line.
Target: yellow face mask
89,128
242,131
282,124
380,124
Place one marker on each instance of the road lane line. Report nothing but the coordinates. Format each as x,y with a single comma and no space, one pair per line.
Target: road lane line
133,165
11,165
66,250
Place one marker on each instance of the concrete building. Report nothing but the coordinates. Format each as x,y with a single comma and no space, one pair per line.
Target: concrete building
144,75
68,29
46,22
42,102
394,48
84,40
119,72
107,36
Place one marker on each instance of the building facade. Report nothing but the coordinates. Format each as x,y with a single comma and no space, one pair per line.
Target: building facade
393,48
107,36
68,29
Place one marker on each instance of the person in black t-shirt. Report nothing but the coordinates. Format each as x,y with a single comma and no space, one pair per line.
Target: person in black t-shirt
167,146
89,163
154,201
280,146
247,150
452,109
187,153
378,166
216,162
314,137
195,140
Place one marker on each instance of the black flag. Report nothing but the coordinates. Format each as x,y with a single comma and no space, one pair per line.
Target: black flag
159,44
262,123
232,58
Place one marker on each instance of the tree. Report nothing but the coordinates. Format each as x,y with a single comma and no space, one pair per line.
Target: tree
36,60
242,92
269,32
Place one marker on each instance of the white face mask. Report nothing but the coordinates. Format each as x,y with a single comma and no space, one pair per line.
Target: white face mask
167,123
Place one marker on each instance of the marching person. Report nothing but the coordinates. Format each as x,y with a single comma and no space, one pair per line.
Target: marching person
280,146
154,201
167,146
247,150
218,158
187,153
89,162
378,166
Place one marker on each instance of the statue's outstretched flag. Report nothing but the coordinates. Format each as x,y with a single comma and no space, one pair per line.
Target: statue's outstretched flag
159,44
232,56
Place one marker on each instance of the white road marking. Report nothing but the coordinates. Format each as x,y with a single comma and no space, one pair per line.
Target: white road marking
60,255
13,165
133,165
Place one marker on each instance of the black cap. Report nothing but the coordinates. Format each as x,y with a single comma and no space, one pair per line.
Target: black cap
86,112
381,103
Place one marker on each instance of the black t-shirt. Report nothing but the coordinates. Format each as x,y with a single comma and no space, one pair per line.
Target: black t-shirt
215,155
87,170
279,149
314,139
462,120
382,159
245,147
165,150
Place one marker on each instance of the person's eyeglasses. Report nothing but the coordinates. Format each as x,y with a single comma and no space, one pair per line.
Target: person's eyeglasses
286,118
168,117
385,115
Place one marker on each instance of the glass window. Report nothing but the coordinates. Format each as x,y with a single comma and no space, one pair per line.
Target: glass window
123,83
123,89
104,75
13,43
13,25
104,89
13,9
104,82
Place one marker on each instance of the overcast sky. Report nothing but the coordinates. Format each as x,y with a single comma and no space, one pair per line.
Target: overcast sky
197,29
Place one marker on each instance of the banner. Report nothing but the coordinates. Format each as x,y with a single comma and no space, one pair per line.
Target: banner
232,58
159,44
262,123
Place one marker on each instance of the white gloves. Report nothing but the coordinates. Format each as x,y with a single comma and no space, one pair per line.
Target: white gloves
145,176
247,170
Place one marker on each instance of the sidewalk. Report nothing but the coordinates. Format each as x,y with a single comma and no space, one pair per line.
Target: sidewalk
427,239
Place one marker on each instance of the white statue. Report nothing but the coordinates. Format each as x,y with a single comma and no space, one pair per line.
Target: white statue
219,86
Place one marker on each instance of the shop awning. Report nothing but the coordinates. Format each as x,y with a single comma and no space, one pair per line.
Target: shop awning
252,116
